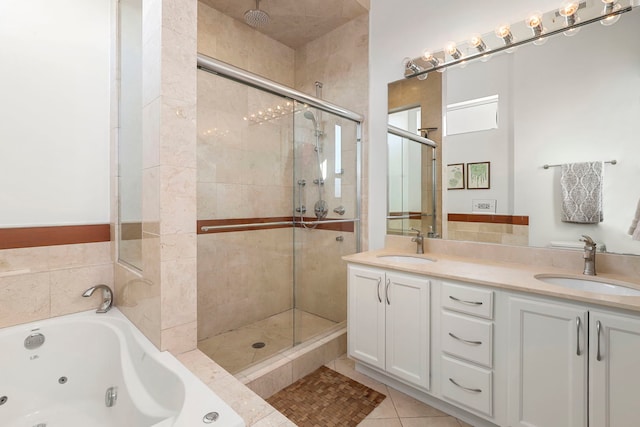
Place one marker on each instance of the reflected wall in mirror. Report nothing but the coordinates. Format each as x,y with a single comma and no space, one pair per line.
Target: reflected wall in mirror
412,196
130,135
571,100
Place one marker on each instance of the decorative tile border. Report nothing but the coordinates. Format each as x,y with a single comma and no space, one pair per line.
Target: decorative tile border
29,237
346,227
494,219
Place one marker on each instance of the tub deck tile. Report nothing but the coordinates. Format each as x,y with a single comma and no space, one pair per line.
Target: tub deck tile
251,407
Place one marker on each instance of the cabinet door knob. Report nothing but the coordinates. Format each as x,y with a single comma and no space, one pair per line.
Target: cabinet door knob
465,341
471,390
461,301
379,282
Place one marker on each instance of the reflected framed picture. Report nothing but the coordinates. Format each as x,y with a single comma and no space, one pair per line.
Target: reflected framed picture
455,176
478,176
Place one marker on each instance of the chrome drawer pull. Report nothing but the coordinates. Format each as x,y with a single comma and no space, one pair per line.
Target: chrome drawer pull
465,341
578,353
598,327
386,291
379,281
471,390
465,302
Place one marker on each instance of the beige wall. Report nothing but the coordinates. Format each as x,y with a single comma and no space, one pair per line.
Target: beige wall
508,234
243,277
245,170
42,282
228,40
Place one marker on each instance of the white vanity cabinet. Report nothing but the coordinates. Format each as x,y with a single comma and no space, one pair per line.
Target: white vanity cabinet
614,374
569,364
547,364
388,322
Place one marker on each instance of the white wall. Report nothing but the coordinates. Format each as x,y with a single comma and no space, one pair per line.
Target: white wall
54,129
400,28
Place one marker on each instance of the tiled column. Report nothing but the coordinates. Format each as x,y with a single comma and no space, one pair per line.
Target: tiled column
162,302
177,176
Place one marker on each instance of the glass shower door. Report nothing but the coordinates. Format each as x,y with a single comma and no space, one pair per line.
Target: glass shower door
326,209
245,256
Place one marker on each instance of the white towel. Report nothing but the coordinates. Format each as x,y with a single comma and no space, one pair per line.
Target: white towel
634,229
582,192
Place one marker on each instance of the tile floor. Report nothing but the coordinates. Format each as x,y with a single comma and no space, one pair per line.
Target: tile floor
398,409
234,352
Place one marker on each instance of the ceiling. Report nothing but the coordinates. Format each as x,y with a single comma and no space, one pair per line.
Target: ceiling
296,22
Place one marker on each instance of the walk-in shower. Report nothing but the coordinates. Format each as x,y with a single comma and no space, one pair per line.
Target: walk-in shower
270,274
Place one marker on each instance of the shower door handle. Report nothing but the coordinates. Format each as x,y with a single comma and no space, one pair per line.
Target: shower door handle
379,282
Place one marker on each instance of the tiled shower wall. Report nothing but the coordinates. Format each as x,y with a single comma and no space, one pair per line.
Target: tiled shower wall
340,60
244,171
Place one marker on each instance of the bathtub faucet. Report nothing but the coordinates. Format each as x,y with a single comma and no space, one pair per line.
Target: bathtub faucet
107,297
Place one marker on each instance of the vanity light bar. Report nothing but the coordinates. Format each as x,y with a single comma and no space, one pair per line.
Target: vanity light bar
458,59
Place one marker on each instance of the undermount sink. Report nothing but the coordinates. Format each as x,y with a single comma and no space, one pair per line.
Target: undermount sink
596,285
406,259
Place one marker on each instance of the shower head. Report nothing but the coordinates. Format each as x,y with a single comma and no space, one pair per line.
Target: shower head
256,17
309,116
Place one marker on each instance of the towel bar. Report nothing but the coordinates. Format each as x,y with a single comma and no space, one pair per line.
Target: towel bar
613,162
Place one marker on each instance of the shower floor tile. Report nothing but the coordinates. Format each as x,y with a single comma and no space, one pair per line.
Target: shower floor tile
234,350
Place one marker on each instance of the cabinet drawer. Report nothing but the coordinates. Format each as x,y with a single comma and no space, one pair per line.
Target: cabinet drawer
468,385
466,299
467,338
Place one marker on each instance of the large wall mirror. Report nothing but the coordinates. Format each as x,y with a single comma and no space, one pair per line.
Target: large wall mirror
572,100
130,135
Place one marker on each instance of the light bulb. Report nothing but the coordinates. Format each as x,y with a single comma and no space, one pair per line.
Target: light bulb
453,51
534,21
504,32
432,60
477,42
568,10
610,6
412,68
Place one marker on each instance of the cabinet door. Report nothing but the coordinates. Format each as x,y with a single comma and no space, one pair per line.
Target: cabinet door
366,315
407,301
614,377
547,367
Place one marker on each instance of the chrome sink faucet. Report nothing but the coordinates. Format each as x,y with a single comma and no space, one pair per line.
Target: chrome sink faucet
419,239
107,297
589,255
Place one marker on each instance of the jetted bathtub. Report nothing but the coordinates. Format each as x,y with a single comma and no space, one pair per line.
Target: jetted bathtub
98,370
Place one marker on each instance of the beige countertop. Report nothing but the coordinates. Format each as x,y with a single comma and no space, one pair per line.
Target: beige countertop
503,275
